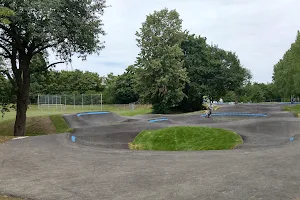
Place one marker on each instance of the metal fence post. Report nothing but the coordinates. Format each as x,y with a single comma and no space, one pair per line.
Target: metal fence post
92,100
101,101
74,102
65,102
38,101
82,101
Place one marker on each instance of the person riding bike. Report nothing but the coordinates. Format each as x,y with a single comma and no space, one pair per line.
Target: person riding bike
209,111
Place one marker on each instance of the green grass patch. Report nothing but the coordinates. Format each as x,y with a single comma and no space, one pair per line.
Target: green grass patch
294,109
60,124
43,125
123,110
4,197
34,126
5,139
184,138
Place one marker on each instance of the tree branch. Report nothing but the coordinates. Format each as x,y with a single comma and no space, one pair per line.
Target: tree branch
12,34
6,50
4,55
45,68
54,64
5,40
43,48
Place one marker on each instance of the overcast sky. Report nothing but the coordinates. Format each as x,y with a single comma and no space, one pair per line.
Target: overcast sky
259,31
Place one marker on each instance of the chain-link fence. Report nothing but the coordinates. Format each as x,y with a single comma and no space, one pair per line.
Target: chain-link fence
79,102
75,101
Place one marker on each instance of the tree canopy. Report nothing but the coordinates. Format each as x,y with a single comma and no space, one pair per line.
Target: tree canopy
161,76
286,75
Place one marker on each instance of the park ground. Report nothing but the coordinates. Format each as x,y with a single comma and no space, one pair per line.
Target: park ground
49,121
74,171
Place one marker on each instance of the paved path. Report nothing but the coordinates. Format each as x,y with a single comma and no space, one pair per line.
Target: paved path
53,167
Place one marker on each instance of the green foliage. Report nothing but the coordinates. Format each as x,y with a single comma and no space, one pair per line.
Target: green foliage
295,109
212,71
225,73
108,93
65,82
35,126
60,124
229,97
196,62
258,92
5,90
67,26
286,75
121,89
6,95
161,76
38,126
186,139
5,13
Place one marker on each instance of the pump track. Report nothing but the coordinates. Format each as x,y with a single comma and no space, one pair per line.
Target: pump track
94,162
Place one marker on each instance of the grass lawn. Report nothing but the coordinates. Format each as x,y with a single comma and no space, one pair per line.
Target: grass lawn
8,198
184,138
5,139
43,125
60,124
294,109
34,126
124,110
50,121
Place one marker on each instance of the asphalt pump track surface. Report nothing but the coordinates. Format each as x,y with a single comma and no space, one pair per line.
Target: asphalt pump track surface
259,125
53,167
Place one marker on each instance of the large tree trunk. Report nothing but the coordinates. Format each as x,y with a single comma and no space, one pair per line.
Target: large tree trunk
20,123
22,96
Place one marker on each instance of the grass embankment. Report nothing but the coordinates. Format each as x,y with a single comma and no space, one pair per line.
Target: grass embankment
60,124
35,126
294,109
124,110
185,138
9,198
44,122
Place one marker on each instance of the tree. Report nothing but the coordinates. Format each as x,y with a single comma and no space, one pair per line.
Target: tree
286,75
226,73
64,82
254,93
196,61
124,87
161,76
237,76
229,97
108,93
5,91
68,27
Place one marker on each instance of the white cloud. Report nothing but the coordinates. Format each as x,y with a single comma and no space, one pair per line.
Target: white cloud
259,31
